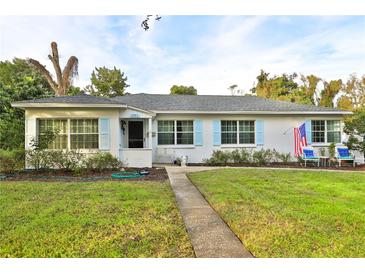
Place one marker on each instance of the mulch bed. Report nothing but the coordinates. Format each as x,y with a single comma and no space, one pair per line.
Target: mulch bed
155,174
345,166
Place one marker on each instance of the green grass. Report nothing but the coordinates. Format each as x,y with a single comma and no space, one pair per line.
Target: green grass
98,219
290,213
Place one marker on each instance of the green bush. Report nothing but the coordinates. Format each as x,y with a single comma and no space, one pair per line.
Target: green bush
282,157
101,161
263,157
11,160
68,160
39,159
241,156
219,158
332,150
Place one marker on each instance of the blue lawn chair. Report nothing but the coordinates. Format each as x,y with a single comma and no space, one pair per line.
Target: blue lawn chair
343,154
310,156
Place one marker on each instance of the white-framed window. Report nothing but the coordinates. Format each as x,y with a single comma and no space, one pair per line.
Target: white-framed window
326,131
84,134
235,132
175,132
57,126
71,133
166,132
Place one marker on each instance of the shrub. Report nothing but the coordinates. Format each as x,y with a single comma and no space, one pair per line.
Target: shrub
241,156
219,158
68,160
263,157
101,161
39,159
332,150
284,157
11,160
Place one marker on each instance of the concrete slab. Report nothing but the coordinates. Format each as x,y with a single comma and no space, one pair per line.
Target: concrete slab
209,234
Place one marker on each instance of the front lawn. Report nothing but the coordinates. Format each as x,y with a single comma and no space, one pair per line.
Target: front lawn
279,213
98,219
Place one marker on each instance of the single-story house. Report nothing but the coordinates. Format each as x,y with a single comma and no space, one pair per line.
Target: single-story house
142,129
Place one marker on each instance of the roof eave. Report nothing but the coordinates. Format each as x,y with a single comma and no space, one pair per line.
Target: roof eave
65,105
255,112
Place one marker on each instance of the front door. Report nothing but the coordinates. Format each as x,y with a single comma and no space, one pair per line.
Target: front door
135,134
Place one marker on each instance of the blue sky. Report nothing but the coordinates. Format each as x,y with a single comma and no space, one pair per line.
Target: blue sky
208,52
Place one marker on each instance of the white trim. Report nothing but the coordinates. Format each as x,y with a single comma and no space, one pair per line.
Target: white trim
252,112
176,145
142,110
65,105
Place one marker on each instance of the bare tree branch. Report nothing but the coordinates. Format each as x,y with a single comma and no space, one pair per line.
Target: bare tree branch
69,72
56,62
42,69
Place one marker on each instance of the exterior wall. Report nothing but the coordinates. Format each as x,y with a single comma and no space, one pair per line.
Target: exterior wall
112,113
278,134
136,157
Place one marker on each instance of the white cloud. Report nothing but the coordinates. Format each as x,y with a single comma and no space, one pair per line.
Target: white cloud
230,52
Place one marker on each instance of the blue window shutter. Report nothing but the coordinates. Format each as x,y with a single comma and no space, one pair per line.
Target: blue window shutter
216,132
104,134
259,132
308,131
198,132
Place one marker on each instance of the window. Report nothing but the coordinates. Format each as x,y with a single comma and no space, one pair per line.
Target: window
247,132
326,131
84,133
185,132
318,131
229,132
238,132
333,132
59,127
166,132
175,132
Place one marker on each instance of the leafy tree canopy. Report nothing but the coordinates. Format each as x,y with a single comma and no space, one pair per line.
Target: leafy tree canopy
183,90
18,81
107,82
355,129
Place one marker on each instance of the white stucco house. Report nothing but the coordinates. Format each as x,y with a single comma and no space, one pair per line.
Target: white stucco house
142,129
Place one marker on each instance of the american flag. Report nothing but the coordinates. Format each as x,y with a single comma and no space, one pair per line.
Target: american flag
300,140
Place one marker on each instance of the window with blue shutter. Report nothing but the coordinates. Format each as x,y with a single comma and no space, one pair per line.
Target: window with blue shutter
216,132
259,132
198,132
308,131
104,128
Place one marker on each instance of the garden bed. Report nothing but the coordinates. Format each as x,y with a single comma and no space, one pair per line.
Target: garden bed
155,174
360,167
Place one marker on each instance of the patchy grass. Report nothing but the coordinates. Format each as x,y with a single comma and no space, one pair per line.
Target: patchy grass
290,213
100,219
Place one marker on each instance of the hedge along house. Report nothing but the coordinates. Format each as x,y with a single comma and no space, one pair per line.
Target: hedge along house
141,129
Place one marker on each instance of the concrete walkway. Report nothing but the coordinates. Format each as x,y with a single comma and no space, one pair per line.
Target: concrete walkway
209,234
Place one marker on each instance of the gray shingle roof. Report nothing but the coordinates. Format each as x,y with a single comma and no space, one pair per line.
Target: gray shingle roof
76,99
164,102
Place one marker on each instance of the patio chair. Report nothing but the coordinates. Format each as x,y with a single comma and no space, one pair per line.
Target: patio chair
310,156
343,154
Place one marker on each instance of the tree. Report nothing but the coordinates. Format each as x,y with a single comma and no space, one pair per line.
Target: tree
18,81
64,78
183,90
355,129
309,86
328,94
107,82
353,93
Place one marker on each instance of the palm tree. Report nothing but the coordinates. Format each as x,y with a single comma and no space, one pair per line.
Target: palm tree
64,78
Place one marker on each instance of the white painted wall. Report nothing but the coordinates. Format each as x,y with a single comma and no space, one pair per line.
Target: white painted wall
136,157
278,134
31,114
